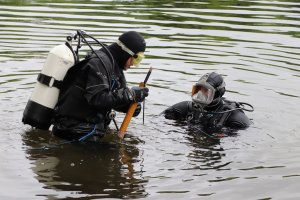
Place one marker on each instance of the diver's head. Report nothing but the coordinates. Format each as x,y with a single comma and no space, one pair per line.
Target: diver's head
133,45
208,90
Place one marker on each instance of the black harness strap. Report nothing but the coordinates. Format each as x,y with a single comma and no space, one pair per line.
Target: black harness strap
225,115
49,81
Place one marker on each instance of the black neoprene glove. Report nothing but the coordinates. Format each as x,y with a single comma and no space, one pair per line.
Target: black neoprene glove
139,94
137,110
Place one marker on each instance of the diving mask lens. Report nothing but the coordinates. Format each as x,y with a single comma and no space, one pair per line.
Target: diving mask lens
137,58
203,94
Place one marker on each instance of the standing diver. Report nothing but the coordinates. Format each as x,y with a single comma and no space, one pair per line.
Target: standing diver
208,108
96,86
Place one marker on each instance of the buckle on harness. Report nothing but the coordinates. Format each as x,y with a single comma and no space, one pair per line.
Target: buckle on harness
51,81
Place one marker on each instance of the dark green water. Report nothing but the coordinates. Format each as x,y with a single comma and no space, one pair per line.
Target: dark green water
253,43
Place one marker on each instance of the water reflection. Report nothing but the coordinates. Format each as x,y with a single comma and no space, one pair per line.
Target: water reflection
207,151
101,170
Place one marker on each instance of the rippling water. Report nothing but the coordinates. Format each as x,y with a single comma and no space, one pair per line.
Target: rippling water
254,44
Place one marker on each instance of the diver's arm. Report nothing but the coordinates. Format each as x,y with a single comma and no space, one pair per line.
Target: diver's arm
178,111
98,93
238,120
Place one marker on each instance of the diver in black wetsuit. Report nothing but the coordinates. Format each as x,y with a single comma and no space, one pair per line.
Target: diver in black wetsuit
208,108
96,86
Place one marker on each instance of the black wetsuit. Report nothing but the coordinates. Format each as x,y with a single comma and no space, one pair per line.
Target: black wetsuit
211,118
90,90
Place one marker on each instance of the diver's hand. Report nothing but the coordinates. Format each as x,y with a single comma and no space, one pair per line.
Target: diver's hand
137,110
139,94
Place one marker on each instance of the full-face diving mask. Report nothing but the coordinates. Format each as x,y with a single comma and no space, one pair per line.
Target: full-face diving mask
137,58
203,93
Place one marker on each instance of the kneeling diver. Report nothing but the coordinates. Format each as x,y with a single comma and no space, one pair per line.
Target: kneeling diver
208,108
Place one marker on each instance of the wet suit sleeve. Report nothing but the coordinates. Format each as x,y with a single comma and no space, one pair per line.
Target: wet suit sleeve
178,111
238,120
98,93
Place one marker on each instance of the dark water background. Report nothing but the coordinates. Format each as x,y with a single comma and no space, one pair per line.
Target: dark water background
253,43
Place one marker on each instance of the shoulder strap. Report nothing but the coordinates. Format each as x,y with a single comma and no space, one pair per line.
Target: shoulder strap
106,63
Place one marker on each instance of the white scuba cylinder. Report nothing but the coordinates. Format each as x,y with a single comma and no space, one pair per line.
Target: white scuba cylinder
40,107
59,60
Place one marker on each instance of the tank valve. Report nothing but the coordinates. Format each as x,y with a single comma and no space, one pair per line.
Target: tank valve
70,37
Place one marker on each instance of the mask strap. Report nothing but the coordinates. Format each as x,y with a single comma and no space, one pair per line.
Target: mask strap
122,45
221,86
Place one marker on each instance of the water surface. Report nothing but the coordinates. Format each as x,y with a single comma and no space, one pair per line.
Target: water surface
253,44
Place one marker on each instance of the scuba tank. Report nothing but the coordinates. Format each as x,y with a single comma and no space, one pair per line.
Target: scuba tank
40,107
